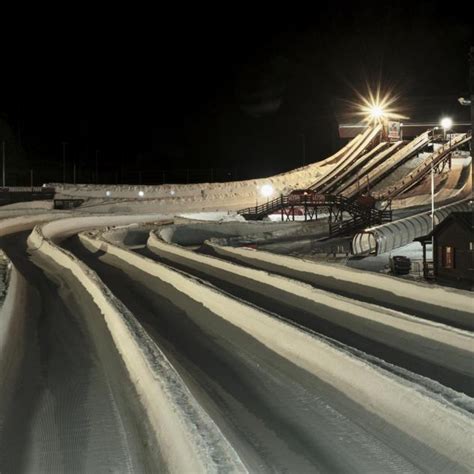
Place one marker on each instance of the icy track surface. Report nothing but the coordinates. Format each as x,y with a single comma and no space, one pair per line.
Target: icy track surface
284,395
277,416
67,412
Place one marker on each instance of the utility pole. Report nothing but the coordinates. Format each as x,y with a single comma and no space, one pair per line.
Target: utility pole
432,209
3,163
64,161
303,149
96,166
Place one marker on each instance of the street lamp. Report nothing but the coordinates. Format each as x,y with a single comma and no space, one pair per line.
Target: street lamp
64,161
3,163
376,112
266,190
446,123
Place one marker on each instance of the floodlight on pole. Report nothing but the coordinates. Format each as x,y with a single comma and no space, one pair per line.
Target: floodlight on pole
376,112
266,190
64,161
446,123
3,163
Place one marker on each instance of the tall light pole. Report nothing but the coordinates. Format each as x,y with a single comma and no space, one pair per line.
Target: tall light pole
64,161
303,144
432,196
266,191
3,163
96,166
447,124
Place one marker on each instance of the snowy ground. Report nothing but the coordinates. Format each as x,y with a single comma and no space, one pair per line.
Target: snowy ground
71,412
329,371
263,433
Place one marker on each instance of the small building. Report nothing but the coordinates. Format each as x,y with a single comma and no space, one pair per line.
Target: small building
453,256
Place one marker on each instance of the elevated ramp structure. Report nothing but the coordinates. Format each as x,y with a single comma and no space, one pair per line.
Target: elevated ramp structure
340,193
387,166
359,214
354,175
369,140
435,160
356,165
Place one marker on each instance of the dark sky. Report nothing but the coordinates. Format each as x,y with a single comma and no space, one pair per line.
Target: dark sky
229,87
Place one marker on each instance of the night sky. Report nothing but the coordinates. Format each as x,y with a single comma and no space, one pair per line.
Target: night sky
223,93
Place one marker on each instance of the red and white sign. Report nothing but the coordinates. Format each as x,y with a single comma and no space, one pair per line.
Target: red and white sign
393,131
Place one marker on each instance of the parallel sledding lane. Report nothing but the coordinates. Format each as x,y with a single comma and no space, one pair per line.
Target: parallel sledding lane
277,416
269,297
65,415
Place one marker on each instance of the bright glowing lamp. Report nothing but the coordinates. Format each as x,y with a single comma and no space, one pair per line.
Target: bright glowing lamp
141,194
266,190
107,193
446,123
376,112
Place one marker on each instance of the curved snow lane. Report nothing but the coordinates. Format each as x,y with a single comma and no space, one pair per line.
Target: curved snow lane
70,410
394,337
435,303
277,416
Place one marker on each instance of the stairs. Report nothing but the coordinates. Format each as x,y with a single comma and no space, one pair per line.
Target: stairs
361,215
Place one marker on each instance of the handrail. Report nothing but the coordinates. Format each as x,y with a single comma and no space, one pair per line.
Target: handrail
344,203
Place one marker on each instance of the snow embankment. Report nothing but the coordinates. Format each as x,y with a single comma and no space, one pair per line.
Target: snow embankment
196,233
406,333
12,333
431,302
61,229
237,192
185,436
11,320
12,312
19,223
29,205
209,197
400,403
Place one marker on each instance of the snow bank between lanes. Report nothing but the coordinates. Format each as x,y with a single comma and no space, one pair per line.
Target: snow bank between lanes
186,437
396,401
413,335
12,313
11,322
20,223
448,305
195,233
